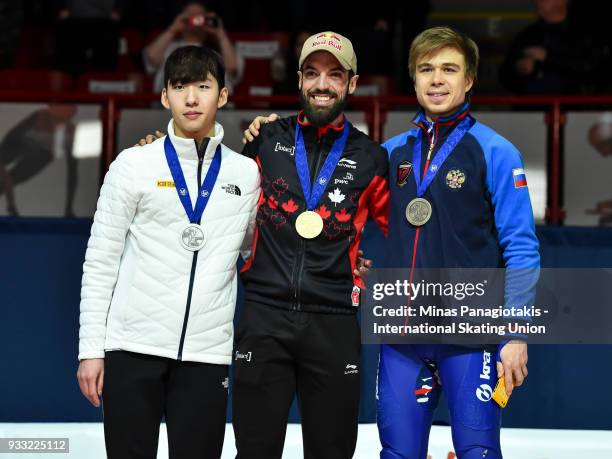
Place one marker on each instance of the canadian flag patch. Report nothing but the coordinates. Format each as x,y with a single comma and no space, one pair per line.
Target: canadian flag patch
355,296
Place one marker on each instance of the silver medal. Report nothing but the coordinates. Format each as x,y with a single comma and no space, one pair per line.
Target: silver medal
192,237
418,211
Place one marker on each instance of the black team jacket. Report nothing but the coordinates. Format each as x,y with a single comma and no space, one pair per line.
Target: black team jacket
316,275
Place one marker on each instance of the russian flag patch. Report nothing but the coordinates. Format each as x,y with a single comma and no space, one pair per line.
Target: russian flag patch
520,179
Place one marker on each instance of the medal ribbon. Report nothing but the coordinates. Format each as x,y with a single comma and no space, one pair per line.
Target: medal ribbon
194,214
313,195
443,153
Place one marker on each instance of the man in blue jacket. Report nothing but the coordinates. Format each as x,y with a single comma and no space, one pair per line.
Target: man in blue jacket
459,199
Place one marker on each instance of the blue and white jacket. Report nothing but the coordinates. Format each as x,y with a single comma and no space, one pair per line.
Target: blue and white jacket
482,215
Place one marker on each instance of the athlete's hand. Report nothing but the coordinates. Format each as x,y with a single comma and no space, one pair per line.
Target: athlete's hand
91,379
513,364
150,138
363,265
253,130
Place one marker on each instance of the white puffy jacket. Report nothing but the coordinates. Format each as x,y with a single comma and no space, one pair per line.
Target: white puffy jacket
136,275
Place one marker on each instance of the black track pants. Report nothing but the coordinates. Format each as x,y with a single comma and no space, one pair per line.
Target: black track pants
279,353
140,389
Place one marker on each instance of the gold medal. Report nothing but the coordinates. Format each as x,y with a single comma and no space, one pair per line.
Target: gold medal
418,211
192,237
309,224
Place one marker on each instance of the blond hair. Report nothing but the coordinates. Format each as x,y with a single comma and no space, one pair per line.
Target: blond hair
432,40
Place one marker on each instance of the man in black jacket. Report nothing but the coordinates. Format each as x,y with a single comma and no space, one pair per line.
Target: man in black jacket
298,333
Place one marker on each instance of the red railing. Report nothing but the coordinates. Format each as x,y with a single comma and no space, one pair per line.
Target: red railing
375,109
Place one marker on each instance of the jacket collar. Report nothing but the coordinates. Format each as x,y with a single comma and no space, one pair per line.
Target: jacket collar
449,120
322,130
187,148
441,126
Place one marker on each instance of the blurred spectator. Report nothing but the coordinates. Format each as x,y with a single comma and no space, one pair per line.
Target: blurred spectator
373,38
555,55
193,26
382,38
31,145
89,35
11,16
107,9
410,20
600,138
284,66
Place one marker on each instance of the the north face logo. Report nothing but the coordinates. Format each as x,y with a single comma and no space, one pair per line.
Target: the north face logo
232,189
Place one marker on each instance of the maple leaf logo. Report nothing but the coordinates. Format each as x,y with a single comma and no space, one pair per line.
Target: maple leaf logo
331,230
272,202
343,216
277,220
348,230
280,186
263,214
323,212
290,206
336,197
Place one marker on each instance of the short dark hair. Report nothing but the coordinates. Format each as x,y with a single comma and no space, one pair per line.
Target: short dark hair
193,63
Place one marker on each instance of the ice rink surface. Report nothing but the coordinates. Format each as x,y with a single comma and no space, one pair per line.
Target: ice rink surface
86,441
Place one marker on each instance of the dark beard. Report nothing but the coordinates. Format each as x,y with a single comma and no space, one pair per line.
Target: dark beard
321,116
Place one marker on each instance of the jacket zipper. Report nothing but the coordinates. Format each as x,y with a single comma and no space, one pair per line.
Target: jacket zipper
194,263
298,267
432,144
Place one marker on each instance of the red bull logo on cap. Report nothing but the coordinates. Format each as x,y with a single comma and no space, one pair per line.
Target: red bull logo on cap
329,35
333,43
328,39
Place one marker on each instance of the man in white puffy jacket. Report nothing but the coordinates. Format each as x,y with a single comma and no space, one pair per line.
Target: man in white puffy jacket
159,279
